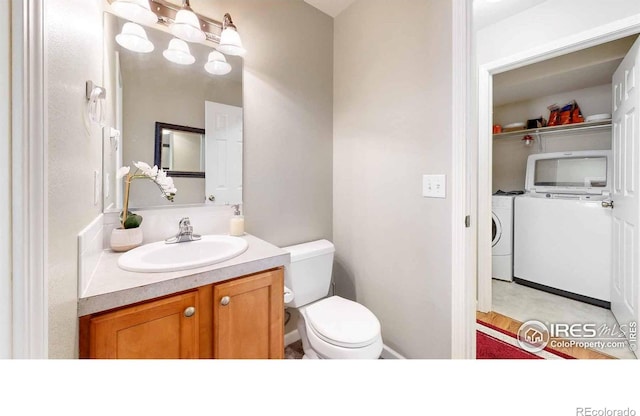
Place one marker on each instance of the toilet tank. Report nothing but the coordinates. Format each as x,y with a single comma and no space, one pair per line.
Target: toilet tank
309,274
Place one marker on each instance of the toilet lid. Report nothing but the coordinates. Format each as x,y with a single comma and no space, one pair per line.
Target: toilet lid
342,322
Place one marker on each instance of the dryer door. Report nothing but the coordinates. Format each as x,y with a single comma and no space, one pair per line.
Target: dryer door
496,229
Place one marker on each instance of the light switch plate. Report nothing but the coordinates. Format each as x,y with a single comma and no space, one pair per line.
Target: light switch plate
434,186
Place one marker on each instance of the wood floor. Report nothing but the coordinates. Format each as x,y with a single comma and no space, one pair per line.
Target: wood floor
511,325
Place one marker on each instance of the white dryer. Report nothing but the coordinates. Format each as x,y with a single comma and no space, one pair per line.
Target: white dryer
502,237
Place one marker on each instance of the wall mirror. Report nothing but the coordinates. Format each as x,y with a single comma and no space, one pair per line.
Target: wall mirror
200,142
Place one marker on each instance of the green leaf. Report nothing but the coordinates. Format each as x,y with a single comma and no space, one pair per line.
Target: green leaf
128,213
133,221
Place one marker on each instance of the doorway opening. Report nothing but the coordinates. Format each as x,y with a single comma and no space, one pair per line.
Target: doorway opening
522,97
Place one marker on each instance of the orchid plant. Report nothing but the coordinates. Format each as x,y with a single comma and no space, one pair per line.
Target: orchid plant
143,171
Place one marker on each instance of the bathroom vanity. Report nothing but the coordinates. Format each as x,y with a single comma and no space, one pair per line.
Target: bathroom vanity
232,309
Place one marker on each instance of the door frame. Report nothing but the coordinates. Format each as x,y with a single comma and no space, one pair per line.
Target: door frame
463,264
28,182
589,38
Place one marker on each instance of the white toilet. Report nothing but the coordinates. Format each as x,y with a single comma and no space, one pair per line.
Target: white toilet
329,327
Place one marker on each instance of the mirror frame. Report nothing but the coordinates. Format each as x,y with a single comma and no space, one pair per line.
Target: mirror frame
157,157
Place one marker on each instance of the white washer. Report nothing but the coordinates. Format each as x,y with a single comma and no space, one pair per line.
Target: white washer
502,237
562,232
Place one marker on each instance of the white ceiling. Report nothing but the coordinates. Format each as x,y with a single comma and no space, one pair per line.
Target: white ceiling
582,69
486,12
330,7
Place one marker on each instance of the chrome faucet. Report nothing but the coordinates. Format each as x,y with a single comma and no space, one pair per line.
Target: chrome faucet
185,234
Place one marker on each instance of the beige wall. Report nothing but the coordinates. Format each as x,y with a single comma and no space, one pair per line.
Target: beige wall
392,124
288,132
73,37
510,154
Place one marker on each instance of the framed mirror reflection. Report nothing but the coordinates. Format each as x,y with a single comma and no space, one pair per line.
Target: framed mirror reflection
180,150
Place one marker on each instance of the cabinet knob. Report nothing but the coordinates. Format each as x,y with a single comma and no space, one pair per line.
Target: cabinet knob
190,311
225,301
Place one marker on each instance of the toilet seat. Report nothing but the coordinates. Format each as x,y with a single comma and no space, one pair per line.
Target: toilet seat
339,328
342,322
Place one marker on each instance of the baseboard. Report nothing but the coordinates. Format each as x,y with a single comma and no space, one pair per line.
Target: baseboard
291,337
391,354
387,353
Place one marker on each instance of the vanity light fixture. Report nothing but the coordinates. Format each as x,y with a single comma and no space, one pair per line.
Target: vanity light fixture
178,52
134,38
217,64
186,25
135,10
230,43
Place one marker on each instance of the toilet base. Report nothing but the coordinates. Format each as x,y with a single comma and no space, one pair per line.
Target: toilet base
372,351
309,353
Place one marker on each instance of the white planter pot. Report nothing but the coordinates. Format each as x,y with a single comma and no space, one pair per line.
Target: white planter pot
125,239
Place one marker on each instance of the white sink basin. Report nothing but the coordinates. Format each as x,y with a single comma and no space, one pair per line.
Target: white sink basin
162,257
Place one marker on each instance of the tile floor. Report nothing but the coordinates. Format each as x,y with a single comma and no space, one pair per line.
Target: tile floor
294,351
523,303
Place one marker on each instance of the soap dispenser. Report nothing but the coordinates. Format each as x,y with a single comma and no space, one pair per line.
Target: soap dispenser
236,226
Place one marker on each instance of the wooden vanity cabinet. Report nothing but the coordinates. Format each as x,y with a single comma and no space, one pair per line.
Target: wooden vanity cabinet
239,318
163,328
248,317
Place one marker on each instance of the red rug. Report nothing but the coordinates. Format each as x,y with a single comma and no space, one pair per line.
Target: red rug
488,347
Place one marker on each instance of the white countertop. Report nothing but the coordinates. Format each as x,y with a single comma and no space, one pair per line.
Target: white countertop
111,287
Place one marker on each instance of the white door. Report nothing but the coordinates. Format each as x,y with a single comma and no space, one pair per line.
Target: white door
626,212
223,150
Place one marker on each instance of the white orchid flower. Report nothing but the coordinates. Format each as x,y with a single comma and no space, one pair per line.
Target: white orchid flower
142,166
158,176
123,171
145,168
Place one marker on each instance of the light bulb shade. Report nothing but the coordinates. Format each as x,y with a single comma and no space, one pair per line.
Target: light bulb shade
135,10
230,43
217,64
178,52
186,26
134,38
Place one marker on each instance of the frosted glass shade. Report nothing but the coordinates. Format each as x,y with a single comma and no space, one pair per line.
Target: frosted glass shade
134,38
186,26
217,64
135,10
230,43
178,52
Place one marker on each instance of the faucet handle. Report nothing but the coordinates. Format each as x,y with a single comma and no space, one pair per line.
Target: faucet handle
185,225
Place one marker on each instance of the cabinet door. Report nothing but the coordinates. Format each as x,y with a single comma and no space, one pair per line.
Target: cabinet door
248,317
163,328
